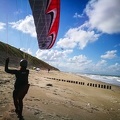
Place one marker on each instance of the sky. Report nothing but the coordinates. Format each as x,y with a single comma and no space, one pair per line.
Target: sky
88,39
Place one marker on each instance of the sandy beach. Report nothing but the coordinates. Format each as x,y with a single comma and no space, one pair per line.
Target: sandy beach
61,96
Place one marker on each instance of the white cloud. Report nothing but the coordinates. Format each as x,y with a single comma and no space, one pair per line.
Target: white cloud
77,36
26,25
52,55
82,59
66,43
2,26
109,54
118,45
26,51
19,11
101,63
104,15
80,63
61,60
76,15
115,67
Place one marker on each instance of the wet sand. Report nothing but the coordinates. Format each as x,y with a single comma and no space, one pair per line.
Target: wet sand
61,96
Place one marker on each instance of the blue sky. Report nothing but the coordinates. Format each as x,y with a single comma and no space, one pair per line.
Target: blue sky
88,39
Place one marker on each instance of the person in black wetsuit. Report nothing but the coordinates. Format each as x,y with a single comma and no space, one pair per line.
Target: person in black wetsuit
21,85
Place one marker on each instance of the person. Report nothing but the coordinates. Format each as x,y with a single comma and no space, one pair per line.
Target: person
48,70
21,85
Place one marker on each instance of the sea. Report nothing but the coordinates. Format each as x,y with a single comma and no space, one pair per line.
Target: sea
114,80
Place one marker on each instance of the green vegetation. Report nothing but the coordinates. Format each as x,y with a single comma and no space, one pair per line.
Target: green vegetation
16,55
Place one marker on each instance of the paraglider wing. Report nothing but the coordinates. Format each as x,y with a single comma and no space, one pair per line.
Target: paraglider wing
46,14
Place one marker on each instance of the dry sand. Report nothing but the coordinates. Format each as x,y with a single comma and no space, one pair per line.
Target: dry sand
55,96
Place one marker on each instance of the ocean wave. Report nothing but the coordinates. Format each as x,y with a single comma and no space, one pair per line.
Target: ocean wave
115,80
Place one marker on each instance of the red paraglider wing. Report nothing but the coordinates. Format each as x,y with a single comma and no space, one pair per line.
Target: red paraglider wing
46,14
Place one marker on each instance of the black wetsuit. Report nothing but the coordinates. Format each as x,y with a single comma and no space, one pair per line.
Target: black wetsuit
21,81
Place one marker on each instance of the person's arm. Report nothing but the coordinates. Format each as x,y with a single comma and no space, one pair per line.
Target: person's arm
7,69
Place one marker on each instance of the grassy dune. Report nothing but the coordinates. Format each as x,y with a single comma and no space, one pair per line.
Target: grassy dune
16,55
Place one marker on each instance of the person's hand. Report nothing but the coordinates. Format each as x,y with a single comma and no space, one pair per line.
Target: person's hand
7,60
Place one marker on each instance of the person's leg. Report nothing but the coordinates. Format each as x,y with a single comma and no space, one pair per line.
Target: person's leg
21,95
15,101
20,106
20,116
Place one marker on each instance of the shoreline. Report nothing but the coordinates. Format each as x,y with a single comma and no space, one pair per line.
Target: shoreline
112,80
100,78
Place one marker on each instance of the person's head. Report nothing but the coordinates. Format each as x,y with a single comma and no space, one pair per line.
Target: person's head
23,63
